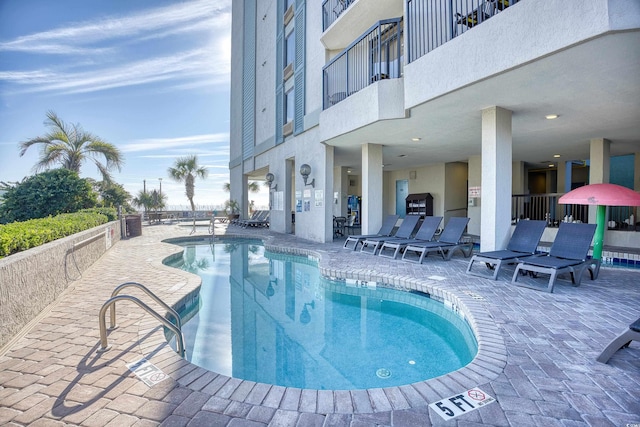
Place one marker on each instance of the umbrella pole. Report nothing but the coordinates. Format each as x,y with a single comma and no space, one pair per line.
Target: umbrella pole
598,240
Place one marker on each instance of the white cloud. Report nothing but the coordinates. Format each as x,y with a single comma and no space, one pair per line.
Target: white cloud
165,21
166,143
111,53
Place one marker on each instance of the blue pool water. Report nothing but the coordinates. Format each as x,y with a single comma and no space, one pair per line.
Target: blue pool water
271,318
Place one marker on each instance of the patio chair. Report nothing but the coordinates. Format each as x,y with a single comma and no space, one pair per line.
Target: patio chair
386,230
621,341
261,221
446,245
404,232
523,243
568,254
425,234
255,216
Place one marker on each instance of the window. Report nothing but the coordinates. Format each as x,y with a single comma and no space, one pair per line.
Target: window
288,3
289,105
290,48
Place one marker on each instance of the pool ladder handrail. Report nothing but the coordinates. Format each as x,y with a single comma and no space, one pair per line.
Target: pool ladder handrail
111,303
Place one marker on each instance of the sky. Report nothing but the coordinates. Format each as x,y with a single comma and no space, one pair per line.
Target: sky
148,76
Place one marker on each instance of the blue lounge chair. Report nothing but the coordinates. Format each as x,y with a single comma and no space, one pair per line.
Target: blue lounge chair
386,230
523,243
425,234
404,232
621,341
568,254
446,245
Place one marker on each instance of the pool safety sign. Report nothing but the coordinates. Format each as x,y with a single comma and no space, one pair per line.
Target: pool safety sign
462,403
149,373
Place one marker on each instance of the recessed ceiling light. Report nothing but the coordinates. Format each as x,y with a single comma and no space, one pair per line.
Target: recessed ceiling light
551,116
551,165
416,139
556,155
348,170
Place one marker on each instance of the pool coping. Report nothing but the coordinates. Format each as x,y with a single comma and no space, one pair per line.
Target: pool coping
486,366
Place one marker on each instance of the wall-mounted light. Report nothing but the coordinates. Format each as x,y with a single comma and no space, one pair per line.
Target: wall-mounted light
305,316
305,171
270,177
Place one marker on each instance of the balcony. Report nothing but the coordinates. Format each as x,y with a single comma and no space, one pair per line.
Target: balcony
431,23
375,56
344,21
332,9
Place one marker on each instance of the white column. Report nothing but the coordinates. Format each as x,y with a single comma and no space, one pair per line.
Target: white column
496,178
475,180
371,188
599,160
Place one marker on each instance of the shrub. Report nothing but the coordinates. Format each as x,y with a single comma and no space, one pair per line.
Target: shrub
20,236
48,193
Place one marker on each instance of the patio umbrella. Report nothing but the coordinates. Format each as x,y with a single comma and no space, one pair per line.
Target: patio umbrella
601,195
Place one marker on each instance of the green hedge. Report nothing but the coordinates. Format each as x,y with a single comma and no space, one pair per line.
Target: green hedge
20,236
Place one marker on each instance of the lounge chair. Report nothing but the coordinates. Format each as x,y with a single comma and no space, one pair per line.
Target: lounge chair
523,243
446,245
261,221
425,234
568,254
621,341
240,221
404,232
385,230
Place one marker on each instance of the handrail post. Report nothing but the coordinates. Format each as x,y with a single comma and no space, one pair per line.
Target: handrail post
143,288
104,345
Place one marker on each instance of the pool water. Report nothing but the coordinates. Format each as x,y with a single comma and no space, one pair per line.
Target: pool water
271,318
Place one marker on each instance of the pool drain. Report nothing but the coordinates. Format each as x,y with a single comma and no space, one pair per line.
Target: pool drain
383,373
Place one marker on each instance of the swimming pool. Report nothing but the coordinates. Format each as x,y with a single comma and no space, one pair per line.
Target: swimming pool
272,318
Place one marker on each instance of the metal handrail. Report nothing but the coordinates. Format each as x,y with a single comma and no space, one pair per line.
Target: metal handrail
110,303
140,286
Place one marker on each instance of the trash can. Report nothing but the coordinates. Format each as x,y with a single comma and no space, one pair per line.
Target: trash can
134,225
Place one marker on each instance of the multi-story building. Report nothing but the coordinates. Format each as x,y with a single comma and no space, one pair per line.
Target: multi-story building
480,103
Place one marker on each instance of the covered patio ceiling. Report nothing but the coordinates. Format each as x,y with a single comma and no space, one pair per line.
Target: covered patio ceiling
593,87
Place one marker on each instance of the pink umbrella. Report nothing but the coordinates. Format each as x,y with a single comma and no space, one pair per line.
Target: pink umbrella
601,195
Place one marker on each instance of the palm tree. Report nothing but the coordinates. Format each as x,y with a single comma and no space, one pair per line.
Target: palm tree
186,170
70,146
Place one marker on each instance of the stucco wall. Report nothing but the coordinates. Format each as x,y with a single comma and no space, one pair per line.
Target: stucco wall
33,279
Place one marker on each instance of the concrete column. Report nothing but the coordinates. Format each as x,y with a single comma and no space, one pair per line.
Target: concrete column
475,180
371,188
289,189
599,161
636,173
340,186
328,194
496,178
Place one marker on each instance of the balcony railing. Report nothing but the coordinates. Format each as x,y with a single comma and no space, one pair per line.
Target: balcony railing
546,207
331,10
431,23
376,55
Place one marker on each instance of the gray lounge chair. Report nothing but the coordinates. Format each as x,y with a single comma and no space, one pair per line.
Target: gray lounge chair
404,232
386,230
568,254
523,243
621,341
425,234
446,245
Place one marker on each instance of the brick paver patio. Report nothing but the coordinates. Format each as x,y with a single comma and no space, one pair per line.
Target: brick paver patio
537,353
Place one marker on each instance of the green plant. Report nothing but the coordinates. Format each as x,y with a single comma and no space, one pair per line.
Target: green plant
186,169
48,193
70,146
232,207
20,236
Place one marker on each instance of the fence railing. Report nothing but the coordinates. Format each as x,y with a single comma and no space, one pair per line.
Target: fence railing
546,207
331,10
375,55
431,23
